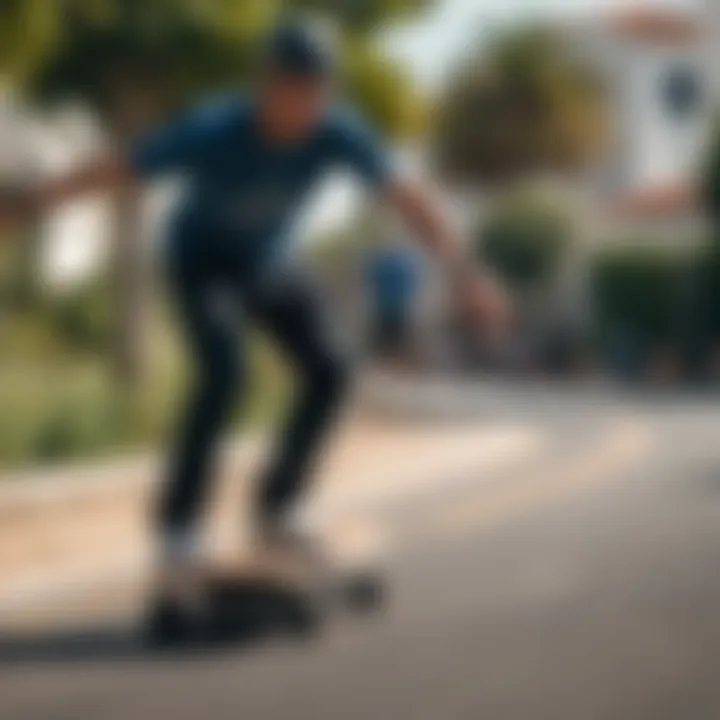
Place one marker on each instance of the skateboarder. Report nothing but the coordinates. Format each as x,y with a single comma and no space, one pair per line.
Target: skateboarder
248,162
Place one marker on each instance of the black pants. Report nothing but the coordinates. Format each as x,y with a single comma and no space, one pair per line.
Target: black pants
215,300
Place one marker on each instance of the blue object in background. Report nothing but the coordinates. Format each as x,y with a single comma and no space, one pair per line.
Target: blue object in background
393,278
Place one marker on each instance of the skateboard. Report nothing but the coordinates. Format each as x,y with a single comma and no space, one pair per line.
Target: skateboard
254,597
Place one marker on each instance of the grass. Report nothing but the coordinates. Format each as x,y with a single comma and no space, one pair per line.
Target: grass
60,404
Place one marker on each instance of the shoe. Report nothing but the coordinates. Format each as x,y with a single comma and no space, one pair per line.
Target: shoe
181,565
288,543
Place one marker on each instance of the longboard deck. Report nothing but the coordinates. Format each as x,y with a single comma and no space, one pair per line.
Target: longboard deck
252,597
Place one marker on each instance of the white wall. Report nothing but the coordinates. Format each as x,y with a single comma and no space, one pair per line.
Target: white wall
663,148
651,146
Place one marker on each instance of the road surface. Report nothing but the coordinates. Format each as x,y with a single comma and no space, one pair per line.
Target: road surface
580,583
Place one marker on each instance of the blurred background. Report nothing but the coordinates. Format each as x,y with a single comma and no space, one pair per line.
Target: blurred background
573,142
576,144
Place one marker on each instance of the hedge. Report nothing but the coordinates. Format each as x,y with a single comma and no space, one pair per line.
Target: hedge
641,291
524,239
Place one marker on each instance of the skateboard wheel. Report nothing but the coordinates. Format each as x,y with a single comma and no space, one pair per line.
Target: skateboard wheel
365,593
302,618
168,624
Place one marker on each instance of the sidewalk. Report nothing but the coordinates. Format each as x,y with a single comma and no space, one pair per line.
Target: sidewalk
66,522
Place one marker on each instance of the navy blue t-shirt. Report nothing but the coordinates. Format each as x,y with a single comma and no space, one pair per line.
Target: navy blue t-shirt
242,189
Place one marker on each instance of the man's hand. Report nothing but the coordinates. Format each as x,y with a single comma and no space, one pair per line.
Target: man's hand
483,301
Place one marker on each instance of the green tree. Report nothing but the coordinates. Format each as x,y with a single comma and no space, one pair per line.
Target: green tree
384,91
526,105
362,17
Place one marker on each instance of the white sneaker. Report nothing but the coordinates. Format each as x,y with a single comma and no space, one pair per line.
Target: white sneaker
181,547
287,541
181,564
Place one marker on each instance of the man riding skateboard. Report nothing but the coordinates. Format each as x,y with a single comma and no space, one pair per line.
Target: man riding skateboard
249,162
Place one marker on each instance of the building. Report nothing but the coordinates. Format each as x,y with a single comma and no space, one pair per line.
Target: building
662,87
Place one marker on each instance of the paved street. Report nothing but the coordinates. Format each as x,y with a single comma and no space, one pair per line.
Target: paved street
578,583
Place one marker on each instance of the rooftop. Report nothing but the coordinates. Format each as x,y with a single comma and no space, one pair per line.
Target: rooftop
656,26
656,202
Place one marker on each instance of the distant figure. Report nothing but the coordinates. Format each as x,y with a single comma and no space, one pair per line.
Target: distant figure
393,276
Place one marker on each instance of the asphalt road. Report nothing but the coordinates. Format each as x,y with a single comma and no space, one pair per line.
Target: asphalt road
581,584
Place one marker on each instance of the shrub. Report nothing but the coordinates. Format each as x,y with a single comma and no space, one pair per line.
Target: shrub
79,425
641,292
83,317
710,181
524,240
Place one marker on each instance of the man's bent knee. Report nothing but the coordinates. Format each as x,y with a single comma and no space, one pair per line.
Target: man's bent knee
329,375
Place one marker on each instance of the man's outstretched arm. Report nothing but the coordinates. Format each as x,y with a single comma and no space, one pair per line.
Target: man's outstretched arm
104,174
172,147
478,292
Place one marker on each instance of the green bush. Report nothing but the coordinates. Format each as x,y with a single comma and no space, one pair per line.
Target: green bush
83,317
29,337
17,432
79,426
68,407
524,240
710,180
59,398
641,292
706,290
74,323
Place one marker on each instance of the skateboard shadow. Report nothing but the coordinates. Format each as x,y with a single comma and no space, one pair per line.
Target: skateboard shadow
94,644
240,616
237,614
114,644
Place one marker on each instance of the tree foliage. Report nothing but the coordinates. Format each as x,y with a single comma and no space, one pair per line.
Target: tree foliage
524,240
131,60
384,91
526,105
362,17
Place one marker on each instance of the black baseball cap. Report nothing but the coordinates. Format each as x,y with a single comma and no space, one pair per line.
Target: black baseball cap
301,49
